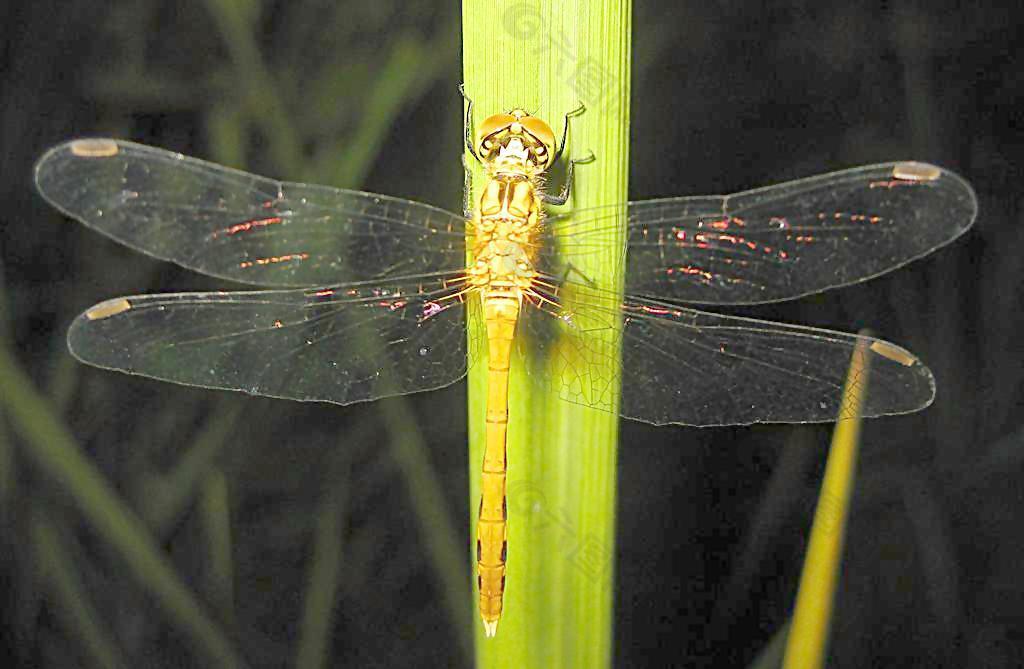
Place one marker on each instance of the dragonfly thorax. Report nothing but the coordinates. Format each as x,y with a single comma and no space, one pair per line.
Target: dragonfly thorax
506,223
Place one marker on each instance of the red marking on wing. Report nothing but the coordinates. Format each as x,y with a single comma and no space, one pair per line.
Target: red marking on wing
272,260
392,305
893,183
248,225
704,240
650,309
691,270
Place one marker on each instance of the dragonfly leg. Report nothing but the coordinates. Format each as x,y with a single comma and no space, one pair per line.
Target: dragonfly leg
467,191
467,123
563,195
570,269
565,130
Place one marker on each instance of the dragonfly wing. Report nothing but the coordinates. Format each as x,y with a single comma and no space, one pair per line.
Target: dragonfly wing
238,226
343,344
690,367
779,242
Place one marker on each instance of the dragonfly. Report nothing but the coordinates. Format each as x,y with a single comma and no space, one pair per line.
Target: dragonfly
363,296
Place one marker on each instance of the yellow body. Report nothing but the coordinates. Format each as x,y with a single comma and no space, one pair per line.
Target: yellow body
515,149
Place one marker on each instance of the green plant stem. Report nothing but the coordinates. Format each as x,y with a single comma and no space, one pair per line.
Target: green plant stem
547,57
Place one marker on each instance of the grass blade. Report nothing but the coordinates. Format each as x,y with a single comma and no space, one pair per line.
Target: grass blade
808,635
547,57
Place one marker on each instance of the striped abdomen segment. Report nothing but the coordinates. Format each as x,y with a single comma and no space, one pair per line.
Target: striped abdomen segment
500,313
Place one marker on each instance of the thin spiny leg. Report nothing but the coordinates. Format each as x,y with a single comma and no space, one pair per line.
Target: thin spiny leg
467,190
467,123
569,270
563,195
565,130
467,131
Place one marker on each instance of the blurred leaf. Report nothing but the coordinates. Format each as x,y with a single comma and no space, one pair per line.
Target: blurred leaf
411,69
167,497
54,452
70,601
215,514
262,102
324,571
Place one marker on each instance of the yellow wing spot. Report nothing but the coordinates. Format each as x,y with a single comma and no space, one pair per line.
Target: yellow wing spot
912,171
108,309
894,353
95,148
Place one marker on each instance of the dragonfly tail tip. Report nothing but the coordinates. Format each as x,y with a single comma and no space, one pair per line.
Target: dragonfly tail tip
490,628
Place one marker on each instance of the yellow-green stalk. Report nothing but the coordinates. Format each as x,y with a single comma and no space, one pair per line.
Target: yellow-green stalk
808,633
546,57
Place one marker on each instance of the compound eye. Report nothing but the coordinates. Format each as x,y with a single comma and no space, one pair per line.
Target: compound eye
491,126
541,131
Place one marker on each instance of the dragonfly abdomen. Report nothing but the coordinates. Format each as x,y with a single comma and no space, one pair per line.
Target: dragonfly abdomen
501,312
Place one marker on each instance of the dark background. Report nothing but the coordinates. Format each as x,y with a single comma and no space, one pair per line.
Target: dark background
713,522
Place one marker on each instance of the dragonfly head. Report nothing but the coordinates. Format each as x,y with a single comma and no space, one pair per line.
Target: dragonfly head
516,139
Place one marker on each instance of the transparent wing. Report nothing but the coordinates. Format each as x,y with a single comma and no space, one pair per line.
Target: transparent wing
339,344
690,367
242,227
774,243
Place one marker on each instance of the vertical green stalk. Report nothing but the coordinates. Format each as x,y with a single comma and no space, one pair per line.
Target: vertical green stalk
547,56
